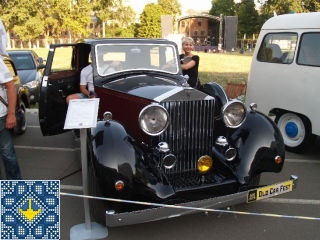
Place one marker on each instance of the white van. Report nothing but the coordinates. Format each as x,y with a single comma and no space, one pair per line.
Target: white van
284,79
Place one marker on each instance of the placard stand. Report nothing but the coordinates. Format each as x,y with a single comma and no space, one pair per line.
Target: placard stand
82,114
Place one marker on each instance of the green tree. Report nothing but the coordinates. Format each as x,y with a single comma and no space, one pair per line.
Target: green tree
78,19
52,14
121,22
270,7
31,19
171,7
116,18
311,5
23,18
150,21
225,7
102,12
248,18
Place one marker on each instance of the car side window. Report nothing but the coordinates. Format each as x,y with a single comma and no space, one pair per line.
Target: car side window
23,61
62,60
278,48
309,49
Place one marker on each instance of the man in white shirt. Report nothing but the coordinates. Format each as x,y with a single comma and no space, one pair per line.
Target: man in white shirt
86,85
8,121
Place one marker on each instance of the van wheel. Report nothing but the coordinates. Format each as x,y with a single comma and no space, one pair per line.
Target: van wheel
295,130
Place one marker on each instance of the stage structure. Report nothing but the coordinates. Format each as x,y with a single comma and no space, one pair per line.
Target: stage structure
210,33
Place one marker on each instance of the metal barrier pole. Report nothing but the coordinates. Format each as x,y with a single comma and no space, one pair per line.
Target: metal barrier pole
88,230
83,144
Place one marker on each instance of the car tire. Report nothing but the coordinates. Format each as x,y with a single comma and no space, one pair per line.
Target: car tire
21,126
296,131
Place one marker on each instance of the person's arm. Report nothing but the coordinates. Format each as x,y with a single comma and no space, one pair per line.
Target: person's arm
83,89
188,65
12,100
85,78
189,62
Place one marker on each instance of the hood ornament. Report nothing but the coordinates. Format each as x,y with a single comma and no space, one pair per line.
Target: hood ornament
185,81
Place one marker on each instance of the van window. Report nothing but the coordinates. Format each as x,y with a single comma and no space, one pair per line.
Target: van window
309,50
278,48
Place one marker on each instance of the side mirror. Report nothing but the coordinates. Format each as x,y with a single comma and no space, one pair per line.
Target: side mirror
41,63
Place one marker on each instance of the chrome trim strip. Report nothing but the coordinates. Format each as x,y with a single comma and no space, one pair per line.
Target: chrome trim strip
168,94
160,213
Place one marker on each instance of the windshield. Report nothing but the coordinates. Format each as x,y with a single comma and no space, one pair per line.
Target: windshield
23,61
127,57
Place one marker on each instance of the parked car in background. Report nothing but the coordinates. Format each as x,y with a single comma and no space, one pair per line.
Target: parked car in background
22,97
158,140
30,69
284,76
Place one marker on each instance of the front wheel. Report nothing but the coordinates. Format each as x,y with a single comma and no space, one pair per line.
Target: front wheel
97,207
21,126
296,131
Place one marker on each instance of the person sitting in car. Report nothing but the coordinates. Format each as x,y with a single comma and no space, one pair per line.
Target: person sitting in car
86,85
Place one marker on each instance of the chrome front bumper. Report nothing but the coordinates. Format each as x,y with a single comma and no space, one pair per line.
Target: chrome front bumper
170,211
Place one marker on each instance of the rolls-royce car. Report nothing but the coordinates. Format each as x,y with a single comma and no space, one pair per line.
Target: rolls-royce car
160,148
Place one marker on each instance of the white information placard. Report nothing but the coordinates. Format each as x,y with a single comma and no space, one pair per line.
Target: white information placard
82,113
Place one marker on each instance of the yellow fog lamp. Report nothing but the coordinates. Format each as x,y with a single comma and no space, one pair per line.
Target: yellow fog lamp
204,164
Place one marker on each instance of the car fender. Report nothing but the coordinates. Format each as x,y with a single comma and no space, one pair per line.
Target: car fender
259,142
118,157
112,149
217,91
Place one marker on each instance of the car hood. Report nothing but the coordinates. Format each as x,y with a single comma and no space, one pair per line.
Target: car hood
156,88
28,75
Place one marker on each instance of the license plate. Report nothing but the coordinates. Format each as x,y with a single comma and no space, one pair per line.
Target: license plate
270,191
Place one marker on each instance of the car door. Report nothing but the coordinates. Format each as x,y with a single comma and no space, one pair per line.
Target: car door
61,78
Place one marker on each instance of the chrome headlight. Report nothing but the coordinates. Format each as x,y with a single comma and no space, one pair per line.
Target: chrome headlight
32,84
234,113
153,119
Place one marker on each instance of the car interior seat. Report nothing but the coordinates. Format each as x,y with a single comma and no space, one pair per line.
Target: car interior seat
276,53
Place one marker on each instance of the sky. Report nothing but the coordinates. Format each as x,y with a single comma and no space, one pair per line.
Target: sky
198,5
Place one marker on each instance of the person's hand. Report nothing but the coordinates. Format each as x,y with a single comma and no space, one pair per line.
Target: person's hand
11,121
186,59
91,94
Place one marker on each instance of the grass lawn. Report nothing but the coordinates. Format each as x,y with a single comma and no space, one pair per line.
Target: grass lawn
214,67
223,68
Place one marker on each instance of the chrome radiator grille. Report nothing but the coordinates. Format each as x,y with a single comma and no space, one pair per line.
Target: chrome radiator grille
190,133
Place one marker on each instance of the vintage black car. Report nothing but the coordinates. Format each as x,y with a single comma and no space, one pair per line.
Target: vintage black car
157,140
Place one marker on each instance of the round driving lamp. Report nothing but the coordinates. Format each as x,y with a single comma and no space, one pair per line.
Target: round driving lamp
234,113
153,119
204,164
169,161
